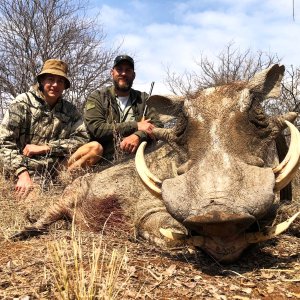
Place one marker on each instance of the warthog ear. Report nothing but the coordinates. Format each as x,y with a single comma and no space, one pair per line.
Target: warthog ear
167,107
267,82
264,85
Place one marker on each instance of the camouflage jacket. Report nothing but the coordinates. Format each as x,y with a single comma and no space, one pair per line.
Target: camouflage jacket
103,120
30,120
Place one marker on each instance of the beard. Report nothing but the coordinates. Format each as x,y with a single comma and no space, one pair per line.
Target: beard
124,87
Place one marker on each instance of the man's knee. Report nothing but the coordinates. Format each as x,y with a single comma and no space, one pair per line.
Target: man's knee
91,148
87,155
95,148
95,153
92,154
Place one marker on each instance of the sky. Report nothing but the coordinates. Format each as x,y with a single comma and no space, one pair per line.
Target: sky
173,34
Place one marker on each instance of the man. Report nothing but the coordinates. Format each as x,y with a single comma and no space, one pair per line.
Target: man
40,129
114,115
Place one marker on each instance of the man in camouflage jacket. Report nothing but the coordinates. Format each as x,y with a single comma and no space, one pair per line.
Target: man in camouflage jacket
120,128
40,129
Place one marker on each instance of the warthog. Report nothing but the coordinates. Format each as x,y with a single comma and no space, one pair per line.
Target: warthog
212,186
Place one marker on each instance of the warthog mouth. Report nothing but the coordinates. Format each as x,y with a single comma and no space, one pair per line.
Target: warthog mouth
223,233
229,249
224,250
219,223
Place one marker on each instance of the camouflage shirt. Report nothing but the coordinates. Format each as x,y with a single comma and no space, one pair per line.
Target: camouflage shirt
30,120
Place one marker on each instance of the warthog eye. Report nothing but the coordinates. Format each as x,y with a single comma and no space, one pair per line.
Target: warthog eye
257,117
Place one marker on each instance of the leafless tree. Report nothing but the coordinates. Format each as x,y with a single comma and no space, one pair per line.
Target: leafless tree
233,65
32,31
229,65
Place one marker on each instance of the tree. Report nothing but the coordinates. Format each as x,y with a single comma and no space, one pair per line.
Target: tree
32,31
229,65
233,65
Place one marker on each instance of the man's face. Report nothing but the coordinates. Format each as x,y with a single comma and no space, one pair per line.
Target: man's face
53,87
123,76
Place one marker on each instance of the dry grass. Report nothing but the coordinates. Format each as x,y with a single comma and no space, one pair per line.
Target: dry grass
71,264
75,267
91,275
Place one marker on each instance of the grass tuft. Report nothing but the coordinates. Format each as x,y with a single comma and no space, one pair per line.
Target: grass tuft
91,274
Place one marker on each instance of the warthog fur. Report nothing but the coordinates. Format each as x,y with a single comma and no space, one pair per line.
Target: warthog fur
216,180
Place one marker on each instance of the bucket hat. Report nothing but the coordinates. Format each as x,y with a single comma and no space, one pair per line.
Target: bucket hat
55,67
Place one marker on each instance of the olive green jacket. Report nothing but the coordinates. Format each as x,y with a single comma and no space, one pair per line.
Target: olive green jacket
103,120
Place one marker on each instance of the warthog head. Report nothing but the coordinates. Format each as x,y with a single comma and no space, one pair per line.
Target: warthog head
226,184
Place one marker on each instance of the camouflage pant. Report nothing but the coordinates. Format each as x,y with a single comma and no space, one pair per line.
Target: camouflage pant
41,167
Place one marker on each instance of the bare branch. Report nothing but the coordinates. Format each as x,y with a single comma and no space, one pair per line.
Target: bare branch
32,31
229,65
233,65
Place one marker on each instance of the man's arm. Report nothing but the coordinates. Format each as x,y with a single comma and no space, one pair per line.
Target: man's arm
96,117
144,132
131,142
78,137
10,154
152,118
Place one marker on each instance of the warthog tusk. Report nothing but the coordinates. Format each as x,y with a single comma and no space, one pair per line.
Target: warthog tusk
172,235
196,241
286,170
251,238
271,232
147,177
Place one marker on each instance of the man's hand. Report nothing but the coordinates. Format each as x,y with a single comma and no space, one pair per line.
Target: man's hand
31,149
146,126
24,185
130,143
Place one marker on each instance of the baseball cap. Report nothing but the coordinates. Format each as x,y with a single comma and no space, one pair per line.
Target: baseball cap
124,57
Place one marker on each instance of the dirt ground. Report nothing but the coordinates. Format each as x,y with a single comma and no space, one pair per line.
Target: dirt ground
47,267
